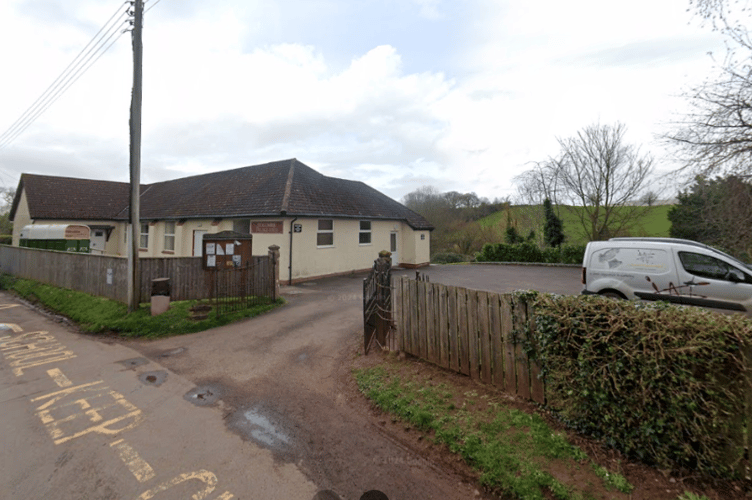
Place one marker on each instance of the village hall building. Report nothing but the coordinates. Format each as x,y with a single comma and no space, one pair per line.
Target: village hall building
322,225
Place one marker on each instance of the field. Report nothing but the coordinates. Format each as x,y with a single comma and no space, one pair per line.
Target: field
530,217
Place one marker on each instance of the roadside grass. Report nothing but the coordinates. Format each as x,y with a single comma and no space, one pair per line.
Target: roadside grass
100,315
516,453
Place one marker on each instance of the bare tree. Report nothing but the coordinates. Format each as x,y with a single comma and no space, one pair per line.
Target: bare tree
600,177
716,135
539,183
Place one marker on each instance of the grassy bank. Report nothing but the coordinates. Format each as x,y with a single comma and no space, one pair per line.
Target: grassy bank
528,217
517,454
100,315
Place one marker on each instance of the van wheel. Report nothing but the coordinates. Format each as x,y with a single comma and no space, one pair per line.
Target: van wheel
613,295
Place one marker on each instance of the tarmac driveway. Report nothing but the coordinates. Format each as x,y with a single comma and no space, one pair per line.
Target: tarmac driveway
281,381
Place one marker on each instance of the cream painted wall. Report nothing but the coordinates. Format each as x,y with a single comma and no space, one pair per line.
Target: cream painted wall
346,254
22,218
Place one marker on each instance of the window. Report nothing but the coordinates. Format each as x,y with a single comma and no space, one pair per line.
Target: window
169,235
325,235
242,226
364,237
144,242
705,266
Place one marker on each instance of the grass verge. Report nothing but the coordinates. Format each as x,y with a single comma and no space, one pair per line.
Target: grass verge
98,315
516,453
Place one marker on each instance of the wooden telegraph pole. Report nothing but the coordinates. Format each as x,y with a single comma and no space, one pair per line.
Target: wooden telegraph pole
134,269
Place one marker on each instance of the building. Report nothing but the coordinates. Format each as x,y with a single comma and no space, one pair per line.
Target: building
323,225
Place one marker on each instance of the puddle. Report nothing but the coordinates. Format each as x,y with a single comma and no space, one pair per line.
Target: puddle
261,428
203,396
133,362
153,378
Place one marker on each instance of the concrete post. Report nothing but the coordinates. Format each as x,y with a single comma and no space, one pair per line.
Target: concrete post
274,258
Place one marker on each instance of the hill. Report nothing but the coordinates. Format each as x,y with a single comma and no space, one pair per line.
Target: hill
469,237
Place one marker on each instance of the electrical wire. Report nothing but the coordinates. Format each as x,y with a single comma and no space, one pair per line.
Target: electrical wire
80,65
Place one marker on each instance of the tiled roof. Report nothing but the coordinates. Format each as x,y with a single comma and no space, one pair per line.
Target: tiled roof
286,187
67,198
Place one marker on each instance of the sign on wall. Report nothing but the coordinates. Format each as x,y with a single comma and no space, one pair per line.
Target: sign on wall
267,227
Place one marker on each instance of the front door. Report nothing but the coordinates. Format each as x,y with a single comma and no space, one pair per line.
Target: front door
393,248
198,242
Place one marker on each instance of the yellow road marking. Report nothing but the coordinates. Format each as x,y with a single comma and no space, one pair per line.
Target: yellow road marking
59,378
204,476
7,306
12,326
225,496
137,465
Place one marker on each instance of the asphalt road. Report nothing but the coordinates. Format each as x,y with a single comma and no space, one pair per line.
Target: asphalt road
259,409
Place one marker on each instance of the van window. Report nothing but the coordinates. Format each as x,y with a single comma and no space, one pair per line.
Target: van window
706,266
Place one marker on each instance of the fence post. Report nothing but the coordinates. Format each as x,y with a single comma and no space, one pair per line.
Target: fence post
274,258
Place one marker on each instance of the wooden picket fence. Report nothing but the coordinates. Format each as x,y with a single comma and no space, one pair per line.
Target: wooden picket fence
472,332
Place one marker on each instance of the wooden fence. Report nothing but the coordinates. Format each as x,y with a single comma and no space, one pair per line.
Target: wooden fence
468,331
107,276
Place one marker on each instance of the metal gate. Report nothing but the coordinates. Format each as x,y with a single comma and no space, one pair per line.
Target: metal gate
377,304
237,288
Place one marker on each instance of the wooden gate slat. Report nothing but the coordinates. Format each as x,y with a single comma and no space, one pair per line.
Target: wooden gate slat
510,372
497,353
483,338
472,331
452,326
464,359
523,369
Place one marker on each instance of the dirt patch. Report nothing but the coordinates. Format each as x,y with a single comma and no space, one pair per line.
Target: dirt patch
649,483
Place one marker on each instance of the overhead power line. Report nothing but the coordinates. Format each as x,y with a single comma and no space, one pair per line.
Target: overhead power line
102,41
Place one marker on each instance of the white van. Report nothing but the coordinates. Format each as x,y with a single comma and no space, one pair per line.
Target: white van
675,270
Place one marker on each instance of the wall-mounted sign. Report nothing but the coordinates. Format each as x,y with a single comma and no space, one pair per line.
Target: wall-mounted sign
297,228
267,227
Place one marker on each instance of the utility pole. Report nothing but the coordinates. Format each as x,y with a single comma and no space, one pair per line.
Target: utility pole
134,269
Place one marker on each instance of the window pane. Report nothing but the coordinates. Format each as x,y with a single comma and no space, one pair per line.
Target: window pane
242,226
365,225
365,238
703,265
325,239
326,225
169,228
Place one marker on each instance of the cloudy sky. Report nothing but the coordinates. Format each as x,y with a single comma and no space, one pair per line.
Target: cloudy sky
460,95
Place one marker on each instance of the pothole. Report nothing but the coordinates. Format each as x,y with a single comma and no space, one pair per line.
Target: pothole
133,362
203,396
153,378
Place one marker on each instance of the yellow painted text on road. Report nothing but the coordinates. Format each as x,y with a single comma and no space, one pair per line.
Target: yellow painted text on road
70,413
32,349
206,477
7,306
59,377
137,465
11,326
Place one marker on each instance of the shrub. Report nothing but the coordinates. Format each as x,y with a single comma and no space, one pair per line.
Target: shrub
529,252
447,258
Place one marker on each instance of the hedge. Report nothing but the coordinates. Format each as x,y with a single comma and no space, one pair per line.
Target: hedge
663,383
529,252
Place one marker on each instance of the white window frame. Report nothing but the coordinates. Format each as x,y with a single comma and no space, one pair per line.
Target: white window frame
169,237
324,231
144,236
362,232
